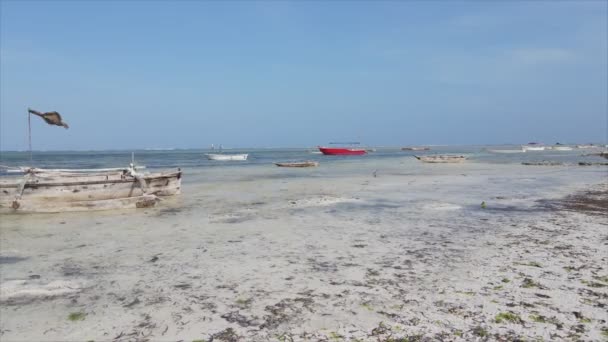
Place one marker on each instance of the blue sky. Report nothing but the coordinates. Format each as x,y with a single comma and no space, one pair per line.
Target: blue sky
186,74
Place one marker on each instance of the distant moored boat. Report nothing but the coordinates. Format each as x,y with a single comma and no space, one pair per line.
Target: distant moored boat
561,148
226,157
533,147
415,148
298,164
342,151
441,159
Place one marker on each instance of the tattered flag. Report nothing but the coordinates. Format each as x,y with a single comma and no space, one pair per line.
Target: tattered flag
51,118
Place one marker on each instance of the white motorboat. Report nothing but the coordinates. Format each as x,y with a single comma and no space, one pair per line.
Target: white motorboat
226,157
533,148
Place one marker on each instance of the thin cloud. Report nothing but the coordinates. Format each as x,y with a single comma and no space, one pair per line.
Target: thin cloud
536,56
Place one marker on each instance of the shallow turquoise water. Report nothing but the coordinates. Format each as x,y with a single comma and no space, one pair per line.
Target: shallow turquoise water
196,158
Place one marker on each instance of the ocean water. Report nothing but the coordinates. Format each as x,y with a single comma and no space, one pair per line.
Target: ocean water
196,158
261,161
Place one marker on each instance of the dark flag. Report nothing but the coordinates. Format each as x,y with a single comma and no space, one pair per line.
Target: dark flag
51,118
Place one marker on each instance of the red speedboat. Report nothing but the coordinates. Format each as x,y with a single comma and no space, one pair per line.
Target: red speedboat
342,151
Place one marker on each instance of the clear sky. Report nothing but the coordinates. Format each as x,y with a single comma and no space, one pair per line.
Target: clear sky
186,74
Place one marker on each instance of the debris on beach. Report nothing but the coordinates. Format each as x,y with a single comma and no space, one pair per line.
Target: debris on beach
591,164
544,163
14,292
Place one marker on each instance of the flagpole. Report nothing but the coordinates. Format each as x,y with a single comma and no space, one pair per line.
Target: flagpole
29,133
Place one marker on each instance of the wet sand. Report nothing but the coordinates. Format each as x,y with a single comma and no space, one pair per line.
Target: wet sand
368,252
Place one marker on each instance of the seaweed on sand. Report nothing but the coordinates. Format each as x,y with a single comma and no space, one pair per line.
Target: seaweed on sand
226,335
529,283
244,303
236,317
285,311
508,316
76,316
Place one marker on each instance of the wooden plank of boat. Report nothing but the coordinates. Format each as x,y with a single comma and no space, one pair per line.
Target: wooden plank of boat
39,206
441,159
298,164
226,157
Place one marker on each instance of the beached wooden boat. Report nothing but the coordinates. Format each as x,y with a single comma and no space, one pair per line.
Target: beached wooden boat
441,159
226,157
600,154
42,190
298,164
415,148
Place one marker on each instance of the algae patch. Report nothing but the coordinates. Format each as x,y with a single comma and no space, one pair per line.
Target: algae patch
76,316
509,316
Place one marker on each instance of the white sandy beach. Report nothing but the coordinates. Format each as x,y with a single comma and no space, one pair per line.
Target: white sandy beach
332,253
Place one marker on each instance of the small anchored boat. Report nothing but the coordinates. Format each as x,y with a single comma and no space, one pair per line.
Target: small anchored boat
332,151
561,148
226,157
587,146
533,146
415,148
298,164
221,156
343,151
441,159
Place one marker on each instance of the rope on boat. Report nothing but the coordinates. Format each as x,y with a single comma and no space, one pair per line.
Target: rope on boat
138,177
19,193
